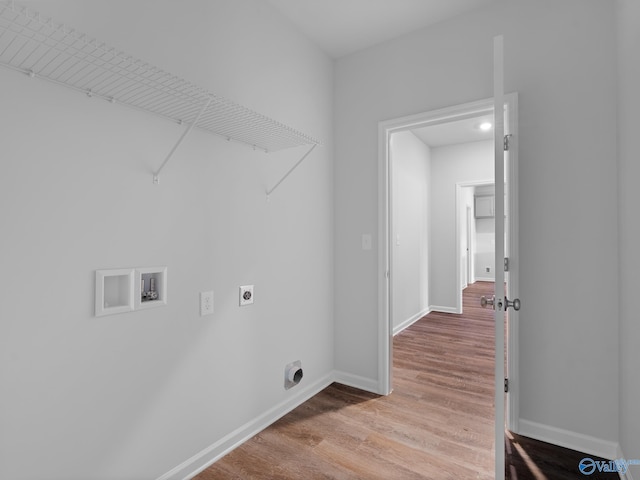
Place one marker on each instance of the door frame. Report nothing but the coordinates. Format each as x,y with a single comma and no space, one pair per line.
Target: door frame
459,220
471,274
385,329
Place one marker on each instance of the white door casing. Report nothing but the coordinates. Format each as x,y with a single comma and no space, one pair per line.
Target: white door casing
385,344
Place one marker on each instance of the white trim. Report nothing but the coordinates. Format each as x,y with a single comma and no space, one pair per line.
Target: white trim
356,381
626,475
385,129
512,412
200,461
441,309
485,279
568,439
385,339
410,321
385,343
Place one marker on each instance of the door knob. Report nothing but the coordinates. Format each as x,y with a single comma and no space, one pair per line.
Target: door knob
512,303
485,302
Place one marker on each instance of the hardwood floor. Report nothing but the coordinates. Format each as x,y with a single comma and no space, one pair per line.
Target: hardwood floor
528,459
437,424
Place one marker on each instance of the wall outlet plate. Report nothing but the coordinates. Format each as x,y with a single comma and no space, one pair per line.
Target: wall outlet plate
206,303
366,241
246,295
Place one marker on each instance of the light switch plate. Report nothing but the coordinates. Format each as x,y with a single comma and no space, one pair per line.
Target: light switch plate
206,303
366,241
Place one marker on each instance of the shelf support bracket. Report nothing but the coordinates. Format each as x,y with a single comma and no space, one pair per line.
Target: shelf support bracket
271,190
156,178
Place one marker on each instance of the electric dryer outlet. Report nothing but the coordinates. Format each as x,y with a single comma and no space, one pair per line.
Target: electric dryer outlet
246,295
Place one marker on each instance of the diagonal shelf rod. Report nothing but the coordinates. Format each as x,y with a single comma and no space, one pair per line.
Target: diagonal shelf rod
156,179
272,189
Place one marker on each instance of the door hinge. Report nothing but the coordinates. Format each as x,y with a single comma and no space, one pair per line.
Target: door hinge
506,264
506,142
506,385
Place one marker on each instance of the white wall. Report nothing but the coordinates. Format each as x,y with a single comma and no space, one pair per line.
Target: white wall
628,22
560,58
485,256
134,395
450,165
485,241
410,173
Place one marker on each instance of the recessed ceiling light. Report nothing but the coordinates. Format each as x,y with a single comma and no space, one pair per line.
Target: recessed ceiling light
485,126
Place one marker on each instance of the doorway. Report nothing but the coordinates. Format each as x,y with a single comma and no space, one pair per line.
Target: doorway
388,237
435,173
476,229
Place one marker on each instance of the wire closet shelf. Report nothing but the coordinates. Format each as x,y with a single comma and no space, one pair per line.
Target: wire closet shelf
38,47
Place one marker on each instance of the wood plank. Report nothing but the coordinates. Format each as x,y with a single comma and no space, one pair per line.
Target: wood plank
437,424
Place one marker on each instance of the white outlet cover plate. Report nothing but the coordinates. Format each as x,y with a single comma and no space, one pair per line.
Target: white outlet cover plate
366,241
206,303
246,295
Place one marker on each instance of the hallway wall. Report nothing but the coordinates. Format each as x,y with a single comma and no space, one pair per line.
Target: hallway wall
411,174
560,58
628,22
464,163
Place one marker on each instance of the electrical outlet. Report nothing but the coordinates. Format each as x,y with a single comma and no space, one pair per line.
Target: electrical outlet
246,295
206,303
488,269
366,241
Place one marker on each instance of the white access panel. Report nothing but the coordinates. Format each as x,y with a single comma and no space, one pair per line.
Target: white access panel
114,291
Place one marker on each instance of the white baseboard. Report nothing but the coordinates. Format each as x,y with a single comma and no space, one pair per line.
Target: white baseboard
572,440
441,309
486,279
410,321
200,461
356,381
624,475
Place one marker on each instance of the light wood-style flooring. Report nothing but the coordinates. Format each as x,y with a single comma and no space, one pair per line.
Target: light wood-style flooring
437,424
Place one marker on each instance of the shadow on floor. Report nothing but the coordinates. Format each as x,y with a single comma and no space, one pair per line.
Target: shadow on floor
526,459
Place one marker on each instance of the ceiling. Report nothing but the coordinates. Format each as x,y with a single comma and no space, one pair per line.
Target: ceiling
342,27
456,132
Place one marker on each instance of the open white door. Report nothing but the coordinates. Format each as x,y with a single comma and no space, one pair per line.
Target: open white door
500,302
